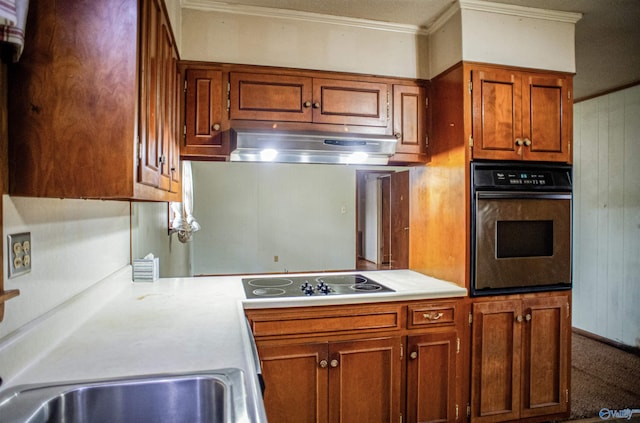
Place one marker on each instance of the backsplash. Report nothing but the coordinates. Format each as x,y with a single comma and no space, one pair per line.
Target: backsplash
75,243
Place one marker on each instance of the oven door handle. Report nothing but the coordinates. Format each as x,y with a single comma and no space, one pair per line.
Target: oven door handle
523,194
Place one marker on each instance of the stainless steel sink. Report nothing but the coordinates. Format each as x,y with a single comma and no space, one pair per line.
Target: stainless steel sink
216,396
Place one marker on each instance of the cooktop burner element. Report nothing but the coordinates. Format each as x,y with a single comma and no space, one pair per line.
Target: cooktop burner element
298,286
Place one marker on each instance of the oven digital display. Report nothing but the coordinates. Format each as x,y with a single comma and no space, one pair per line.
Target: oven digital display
510,177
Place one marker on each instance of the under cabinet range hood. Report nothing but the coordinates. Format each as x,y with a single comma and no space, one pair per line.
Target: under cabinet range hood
263,145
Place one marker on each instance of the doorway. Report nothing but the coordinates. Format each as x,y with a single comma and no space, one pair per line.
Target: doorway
382,202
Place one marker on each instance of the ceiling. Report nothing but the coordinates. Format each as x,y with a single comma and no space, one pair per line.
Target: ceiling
607,36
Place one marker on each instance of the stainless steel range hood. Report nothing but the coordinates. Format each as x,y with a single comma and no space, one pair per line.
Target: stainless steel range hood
262,145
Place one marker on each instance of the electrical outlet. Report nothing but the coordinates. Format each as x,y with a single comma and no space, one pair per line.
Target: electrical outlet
19,247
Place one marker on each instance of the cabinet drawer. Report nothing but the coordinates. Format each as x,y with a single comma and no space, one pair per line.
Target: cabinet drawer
326,321
431,314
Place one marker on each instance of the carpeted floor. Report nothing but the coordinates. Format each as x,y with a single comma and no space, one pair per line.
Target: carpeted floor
602,376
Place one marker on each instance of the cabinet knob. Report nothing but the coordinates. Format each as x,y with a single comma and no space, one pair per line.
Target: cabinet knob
215,127
323,364
519,319
307,104
316,105
527,142
398,135
519,142
527,317
334,363
413,355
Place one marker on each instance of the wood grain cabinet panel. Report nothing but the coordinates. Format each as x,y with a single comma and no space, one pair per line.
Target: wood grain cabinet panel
431,314
296,384
205,119
431,377
350,102
92,102
410,122
518,115
361,363
298,98
159,105
364,380
326,320
257,96
520,353
343,381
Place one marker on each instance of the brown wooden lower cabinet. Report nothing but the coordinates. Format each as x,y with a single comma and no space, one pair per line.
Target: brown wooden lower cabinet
520,358
342,381
431,377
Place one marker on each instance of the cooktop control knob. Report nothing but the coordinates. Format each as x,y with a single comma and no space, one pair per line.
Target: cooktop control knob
323,288
307,288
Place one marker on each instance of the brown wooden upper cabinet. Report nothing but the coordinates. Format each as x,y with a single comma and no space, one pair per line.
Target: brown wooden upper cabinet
519,115
205,118
410,122
159,147
293,98
93,112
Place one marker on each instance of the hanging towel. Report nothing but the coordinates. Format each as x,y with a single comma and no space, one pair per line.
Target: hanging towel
8,12
13,18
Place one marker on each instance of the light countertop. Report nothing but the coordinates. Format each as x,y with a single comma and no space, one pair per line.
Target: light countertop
178,325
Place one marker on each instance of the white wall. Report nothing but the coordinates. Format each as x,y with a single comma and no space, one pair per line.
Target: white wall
149,234
75,244
251,212
308,44
606,294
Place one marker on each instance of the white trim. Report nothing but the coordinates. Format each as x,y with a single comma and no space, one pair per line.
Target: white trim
477,5
443,18
267,12
520,11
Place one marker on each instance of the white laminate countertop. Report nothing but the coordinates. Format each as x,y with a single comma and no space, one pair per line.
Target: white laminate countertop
179,325
407,284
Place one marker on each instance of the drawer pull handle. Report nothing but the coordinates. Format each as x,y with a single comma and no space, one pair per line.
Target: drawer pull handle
433,316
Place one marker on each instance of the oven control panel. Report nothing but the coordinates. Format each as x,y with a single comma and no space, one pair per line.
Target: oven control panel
512,177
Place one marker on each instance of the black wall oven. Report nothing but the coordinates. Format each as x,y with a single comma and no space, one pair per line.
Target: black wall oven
520,227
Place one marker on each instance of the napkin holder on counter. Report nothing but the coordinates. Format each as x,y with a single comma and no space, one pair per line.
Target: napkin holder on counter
146,269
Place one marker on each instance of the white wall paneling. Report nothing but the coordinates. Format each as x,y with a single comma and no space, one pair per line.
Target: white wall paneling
607,216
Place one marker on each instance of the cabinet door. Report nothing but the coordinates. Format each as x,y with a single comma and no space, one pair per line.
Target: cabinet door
496,114
350,102
158,98
547,115
495,360
546,340
259,96
150,146
176,171
168,126
204,123
364,380
409,118
431,377
296,382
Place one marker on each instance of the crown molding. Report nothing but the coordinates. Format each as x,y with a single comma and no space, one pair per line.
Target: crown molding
443,18
266,12
520,11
